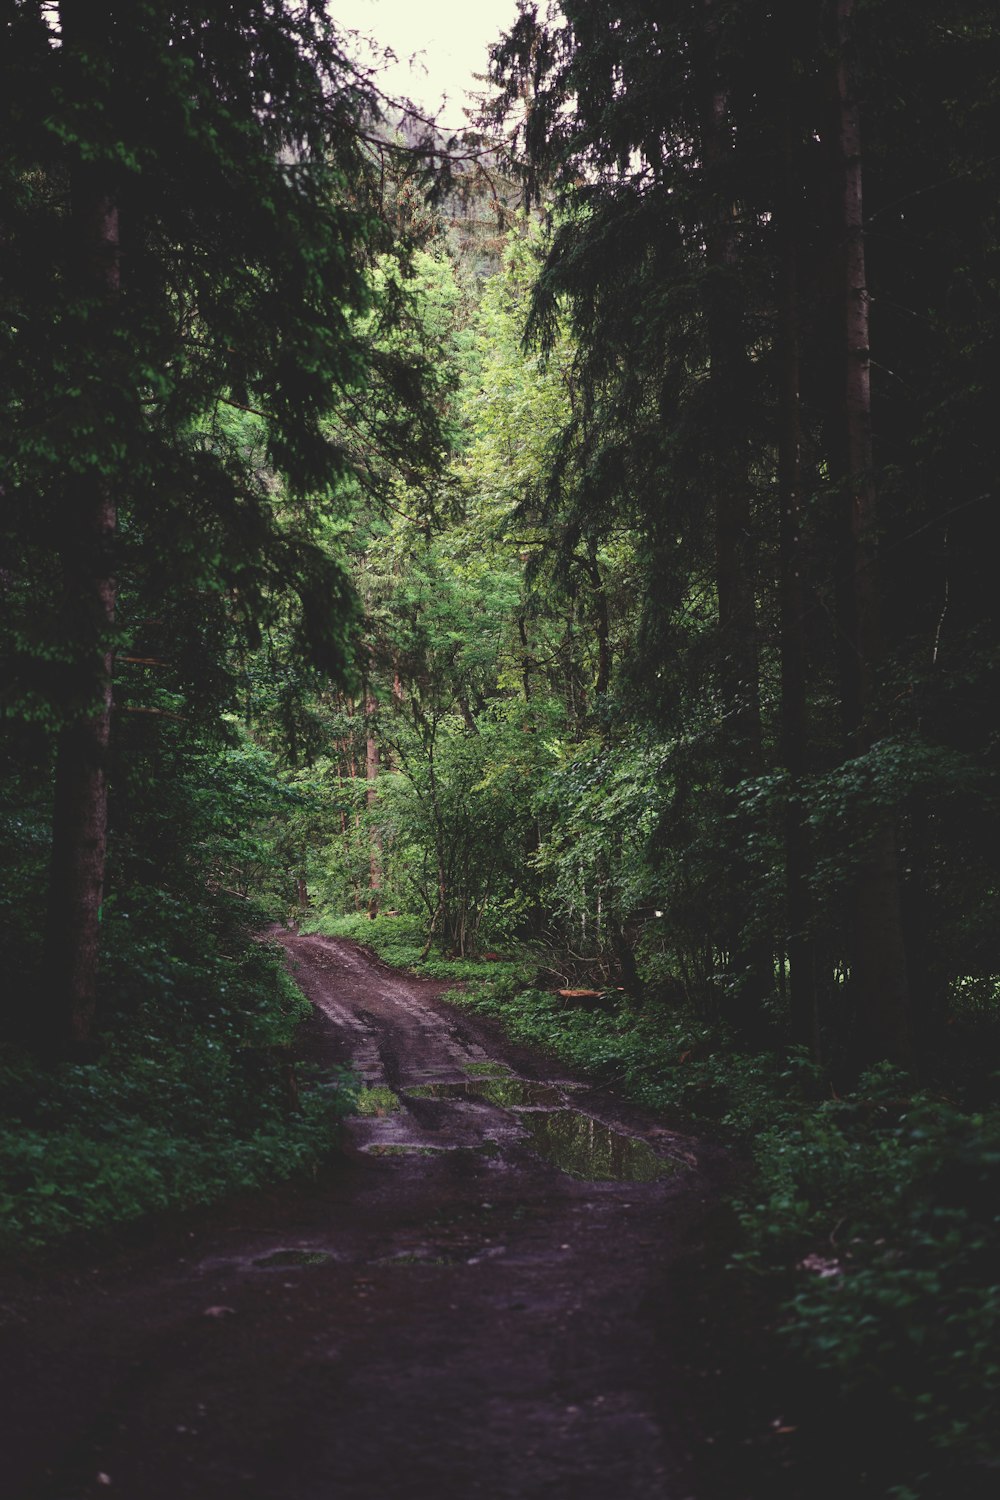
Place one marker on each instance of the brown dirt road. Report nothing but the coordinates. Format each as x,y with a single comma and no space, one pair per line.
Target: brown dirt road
472,1299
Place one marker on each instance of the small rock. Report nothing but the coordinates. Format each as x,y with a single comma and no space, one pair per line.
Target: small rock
218,1312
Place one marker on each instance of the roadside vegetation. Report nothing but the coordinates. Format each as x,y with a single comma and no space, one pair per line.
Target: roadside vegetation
557,558
867,1232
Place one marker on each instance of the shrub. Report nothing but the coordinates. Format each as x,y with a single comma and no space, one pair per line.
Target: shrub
879,1215
186,1102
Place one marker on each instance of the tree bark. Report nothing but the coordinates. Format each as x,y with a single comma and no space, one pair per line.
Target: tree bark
371,797
602,621
879,980
726,464
80,803
799,943
730,389
522,635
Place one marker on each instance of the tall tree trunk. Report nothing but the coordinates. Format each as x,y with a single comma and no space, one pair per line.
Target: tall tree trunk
371,797
522,635
799,943
878,969
602,621
726,459
80,803
727,474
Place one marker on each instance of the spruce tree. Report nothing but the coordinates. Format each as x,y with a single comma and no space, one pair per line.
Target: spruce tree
189,204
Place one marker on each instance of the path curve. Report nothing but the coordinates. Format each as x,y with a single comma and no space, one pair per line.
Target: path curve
456,1307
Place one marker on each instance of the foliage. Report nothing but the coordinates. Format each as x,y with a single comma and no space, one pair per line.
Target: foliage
185,1095
601,805
885,1203
187,1101
665,1059
241,194
399,941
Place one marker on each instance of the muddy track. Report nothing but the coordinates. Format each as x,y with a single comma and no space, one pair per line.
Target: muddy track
472,1299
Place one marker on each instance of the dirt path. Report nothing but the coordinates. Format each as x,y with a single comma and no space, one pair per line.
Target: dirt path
473,1300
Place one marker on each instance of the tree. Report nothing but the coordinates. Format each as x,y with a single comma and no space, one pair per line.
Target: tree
879,957
189,206
653,262
718,272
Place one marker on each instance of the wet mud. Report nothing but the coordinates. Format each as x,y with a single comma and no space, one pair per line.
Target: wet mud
474,1297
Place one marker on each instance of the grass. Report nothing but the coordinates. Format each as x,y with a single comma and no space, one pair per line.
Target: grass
400,941
377,1101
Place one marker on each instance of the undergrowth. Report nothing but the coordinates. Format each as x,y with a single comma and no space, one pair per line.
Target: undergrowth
876,1219
400,940
182,1104
872,1218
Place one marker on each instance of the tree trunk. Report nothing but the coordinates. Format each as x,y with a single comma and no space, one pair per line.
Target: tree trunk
727,462
522,635
878,971
602,622
727,475
80,802
371,797
799,943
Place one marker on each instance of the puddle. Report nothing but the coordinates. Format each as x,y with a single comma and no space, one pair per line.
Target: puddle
481,1148
425,1257
487,1070
509,1093
584,1147
280,1258
404,1150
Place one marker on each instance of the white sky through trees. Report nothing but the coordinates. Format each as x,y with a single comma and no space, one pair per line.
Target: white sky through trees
451,38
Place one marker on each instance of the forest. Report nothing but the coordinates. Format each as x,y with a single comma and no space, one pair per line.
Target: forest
554,555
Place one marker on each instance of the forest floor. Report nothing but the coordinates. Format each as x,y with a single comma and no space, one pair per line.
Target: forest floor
489,1291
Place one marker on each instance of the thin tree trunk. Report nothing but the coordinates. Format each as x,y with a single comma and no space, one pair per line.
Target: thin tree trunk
522,635
878,971
442,912
602,623
371,797
800,945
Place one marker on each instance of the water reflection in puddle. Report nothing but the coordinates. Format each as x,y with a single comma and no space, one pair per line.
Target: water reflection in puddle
584,1147
406,1148
575,1143
279,1259
403,1148
509,1093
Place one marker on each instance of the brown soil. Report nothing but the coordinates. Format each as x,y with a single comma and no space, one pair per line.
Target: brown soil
443,1312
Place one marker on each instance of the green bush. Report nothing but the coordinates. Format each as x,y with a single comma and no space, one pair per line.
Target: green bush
186,1101
659,1057
879,1215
